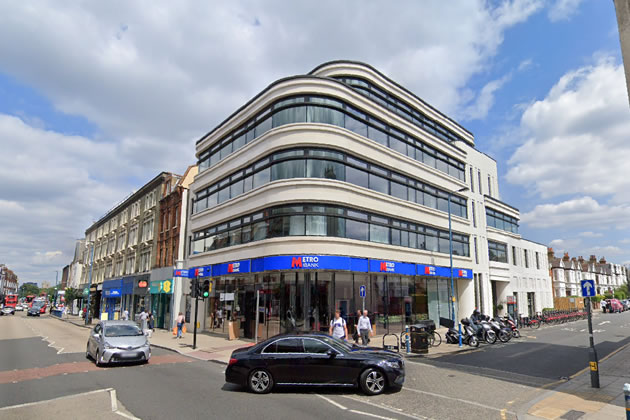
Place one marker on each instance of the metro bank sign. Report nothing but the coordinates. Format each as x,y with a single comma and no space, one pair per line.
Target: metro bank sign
305,262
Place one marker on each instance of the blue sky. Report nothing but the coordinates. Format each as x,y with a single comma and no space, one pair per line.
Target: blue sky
97,98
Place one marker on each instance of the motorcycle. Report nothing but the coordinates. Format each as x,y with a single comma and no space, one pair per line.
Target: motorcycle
509,321
486,333
468,335
504,334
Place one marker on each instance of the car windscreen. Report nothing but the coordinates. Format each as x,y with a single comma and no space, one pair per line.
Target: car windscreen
336,343
122,330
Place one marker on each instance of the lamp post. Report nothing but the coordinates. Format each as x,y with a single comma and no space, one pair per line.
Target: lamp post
87,311
450,252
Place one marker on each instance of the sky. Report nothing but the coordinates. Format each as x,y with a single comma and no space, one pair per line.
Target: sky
97,98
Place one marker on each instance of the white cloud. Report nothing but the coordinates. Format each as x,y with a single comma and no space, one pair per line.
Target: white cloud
583,212
604,251
525,64
591,235
563,9
484,101
576,137
565,245
624,241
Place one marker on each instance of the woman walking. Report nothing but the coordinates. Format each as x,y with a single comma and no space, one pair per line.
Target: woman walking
180,324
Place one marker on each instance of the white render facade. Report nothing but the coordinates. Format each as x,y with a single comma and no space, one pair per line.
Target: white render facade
567,273
339,179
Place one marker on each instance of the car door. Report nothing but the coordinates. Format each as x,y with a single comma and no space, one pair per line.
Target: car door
283,359
323,368
95,338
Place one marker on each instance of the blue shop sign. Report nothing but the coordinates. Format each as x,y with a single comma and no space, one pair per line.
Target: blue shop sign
394,267
127,286
112,284
432,270
230,268
306,262
111,293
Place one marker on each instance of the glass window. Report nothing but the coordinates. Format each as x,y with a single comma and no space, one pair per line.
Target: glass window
357,230
357,177
395,234
378,183
398,145
246,234
288,169
430,200
317,168
431,243
315,225
379,234
226,150
289,116
399,191
248,183
235,236
263,127
336,226
356,126
224,194
442,204
236,188
377,135
261,177
212,199
289,345
260,230
315,346
318,114
296,227
443,246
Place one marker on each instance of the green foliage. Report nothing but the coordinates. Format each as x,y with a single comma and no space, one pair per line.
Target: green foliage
71,295
28,289
597,298
548,309
620,294
608,295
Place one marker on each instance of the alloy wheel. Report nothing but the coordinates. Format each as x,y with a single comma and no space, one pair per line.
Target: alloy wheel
260,381
375,382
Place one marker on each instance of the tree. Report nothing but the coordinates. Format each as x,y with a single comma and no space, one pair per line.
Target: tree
71,295
28,289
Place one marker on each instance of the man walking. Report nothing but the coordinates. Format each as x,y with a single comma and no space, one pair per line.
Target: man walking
338,327
365,328
143,320
180,324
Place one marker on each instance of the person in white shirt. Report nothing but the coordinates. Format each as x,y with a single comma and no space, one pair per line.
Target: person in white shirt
338,327
365,328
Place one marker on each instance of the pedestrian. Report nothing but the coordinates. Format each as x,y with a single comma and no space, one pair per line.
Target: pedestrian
338,327
143,320
219,318
180,325
125,316
603,306
151,323
356,327
365,328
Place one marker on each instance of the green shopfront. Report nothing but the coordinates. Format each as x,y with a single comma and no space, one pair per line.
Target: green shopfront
161,296
302,292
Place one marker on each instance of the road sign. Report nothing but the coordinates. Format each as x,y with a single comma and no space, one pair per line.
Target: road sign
588,288
362,291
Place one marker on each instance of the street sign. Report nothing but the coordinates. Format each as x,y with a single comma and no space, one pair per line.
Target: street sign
362,291
588,288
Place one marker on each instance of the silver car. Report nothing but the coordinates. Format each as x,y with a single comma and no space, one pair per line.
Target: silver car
118,341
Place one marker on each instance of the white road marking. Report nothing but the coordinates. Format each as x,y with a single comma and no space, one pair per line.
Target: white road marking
604,322
433,394
336,404
53,399
362,413
382,407
112,396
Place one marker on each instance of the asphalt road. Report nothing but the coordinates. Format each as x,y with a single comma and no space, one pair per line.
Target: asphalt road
43,358
547,354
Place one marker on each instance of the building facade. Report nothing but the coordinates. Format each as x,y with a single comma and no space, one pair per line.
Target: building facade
332,191
121,246
8,281
166,298
567,273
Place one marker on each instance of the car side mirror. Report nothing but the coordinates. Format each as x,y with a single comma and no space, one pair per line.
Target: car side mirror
331,353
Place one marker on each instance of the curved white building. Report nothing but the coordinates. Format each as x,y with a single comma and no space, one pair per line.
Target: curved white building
339,179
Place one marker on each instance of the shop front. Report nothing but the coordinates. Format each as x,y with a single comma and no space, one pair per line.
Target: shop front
111,296
126,295
140,298
301,293
161,296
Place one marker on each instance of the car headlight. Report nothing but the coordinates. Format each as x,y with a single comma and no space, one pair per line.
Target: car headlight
391,364
108,346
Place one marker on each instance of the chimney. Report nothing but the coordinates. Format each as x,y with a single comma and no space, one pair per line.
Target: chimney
592,259
566,257
603,260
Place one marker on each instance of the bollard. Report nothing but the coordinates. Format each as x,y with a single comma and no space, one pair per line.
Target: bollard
460,334
626,391
407,341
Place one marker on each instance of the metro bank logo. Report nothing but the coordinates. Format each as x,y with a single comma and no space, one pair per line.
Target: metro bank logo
304,262
388,267
234,267
429,270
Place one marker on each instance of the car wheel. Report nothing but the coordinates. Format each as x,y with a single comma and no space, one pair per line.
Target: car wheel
98,360
372,381
260,381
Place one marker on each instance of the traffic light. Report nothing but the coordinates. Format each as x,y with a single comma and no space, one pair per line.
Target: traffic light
206,289
194,288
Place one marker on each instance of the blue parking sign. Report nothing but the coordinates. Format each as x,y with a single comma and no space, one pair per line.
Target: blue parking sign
588,288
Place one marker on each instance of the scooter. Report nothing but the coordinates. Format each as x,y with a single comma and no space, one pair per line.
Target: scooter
509,321
468,335
501,330
485,333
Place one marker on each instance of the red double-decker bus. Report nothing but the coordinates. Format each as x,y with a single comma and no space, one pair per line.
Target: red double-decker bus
11,300
29,300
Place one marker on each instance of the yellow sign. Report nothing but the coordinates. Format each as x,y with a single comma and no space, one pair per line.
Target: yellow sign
104,316
210,287
166,286
593,366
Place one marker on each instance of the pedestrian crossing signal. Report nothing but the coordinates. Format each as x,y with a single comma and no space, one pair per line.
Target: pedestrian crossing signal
206,289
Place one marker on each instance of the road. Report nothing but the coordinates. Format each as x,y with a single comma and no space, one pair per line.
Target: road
42,359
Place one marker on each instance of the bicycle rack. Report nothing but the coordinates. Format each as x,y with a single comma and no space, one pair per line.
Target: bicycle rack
391,346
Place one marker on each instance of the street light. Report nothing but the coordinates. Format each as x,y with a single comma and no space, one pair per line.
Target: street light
87,311
450,252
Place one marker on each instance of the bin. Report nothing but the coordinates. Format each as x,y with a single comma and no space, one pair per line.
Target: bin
419,335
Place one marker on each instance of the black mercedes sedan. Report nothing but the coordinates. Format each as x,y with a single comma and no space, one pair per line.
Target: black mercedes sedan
314,359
